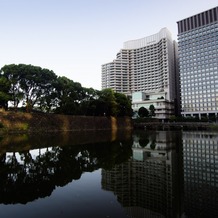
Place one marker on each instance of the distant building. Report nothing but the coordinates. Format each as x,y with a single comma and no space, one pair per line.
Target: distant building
146,65
198,62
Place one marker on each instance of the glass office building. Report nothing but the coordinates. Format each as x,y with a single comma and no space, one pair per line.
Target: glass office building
198,62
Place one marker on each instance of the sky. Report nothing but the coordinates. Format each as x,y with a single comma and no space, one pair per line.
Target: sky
75,37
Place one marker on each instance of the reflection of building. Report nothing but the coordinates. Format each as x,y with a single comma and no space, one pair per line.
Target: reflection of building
198,50
145,185
200,154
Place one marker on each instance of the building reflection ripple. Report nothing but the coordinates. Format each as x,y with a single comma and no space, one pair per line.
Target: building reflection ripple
147,185
200,155
170,174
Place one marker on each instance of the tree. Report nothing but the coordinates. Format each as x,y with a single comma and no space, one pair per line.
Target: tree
70,96
124,107
153,144
28,84
4,92
143,112
107,97
64,89
41,89
88,105
37,84
152,110
143,142
13,76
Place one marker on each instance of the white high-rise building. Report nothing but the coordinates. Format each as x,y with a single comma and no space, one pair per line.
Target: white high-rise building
146,65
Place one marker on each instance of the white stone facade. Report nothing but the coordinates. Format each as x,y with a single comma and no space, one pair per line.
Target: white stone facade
164,109
144,65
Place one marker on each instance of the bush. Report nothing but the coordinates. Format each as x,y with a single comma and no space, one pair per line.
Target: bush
1,125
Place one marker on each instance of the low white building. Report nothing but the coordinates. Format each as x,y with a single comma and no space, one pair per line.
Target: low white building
164,109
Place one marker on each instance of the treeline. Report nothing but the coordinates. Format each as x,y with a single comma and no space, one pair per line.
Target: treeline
34,88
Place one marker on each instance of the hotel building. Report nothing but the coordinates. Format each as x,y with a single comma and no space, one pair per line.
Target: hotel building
146,70
198,62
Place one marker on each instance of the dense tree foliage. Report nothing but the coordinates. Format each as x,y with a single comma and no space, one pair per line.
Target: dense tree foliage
124,106
35,88
143,112
152,110
4,92
28,84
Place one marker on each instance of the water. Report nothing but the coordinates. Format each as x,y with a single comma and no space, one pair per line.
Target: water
104,174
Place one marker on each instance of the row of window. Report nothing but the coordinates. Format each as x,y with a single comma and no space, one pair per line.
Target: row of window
199,32
198,36
199,58
192,99
198,94
207,96
199,103
191,105
210,69
209,77
191,84
200,110
196,147
188,69
198,64
199,51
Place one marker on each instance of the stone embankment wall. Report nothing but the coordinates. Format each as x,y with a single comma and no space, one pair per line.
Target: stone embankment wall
175,126
34,122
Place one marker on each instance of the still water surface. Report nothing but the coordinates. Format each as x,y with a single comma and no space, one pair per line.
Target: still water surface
140,174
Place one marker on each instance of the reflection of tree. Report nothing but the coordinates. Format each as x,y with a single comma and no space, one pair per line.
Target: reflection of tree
153,144
2,158
145,137
143,142
29,178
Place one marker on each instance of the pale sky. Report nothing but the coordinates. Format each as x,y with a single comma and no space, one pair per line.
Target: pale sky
75,37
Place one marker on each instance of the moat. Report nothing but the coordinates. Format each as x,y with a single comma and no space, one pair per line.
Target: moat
101,174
